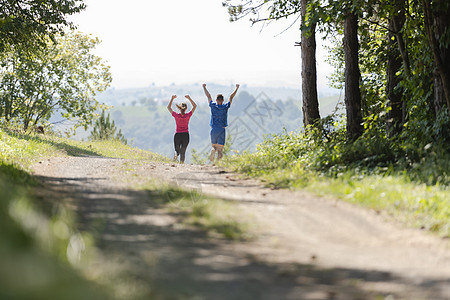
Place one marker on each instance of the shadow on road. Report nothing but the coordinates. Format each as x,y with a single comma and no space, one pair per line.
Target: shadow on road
176,261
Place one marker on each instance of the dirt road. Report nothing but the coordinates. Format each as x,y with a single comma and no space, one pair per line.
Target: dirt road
305,247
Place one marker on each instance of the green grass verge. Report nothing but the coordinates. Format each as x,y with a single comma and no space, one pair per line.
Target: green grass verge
419,205
26,149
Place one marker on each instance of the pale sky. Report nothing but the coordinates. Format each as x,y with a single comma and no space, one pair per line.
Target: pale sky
179,41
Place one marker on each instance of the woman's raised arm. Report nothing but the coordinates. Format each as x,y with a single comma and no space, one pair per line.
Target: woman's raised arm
169,106
194,105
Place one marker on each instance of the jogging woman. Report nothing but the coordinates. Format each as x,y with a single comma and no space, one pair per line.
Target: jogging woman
181,137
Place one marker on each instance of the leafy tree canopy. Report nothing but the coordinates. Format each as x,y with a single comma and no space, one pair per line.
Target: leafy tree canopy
62,77
28,21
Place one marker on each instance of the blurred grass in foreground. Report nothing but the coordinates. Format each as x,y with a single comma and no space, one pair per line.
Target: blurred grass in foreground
30,243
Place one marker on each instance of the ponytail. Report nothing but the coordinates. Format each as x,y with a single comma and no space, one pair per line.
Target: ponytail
182,107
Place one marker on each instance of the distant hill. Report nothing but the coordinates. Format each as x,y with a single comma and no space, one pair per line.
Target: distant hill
142,115
161,94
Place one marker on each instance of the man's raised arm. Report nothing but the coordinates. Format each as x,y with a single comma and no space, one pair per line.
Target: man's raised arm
234,93
208,95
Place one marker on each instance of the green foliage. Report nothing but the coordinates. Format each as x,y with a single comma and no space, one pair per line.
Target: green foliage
104,129
29,22
425,122
328,151
63,77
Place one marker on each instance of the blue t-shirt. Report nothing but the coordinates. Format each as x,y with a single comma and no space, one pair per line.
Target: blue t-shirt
219,114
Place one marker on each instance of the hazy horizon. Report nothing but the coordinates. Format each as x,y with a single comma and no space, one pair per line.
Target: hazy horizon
193,41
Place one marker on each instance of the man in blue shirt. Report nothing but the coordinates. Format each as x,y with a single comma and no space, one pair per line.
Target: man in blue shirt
219,114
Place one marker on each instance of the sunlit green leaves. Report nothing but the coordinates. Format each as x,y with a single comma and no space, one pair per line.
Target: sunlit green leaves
28,22
62,78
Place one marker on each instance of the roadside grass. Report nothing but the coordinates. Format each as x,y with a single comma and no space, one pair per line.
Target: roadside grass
418,205
417,195
19,151
25,149
42,254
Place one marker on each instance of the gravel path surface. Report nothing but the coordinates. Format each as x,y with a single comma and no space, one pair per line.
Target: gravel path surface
305,247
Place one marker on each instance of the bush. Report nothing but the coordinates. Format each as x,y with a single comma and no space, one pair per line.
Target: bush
105,129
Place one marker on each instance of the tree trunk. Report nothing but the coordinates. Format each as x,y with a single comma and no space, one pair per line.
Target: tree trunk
437,22
394,64
439,94
310,100
352,77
